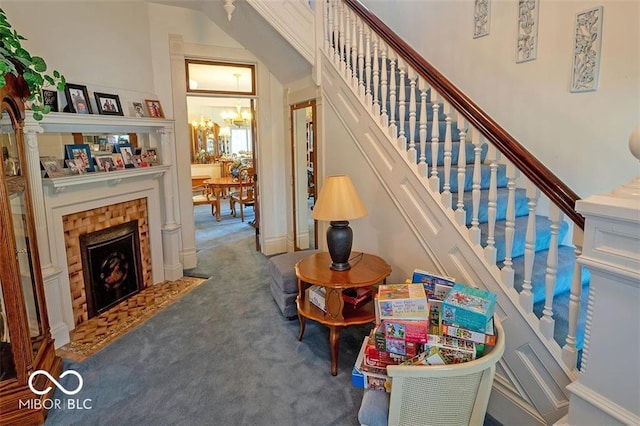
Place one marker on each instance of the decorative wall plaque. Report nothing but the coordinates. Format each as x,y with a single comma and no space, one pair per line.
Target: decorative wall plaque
481,18
586,50
527,45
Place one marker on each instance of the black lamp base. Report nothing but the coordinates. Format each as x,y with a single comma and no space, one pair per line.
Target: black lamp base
339,241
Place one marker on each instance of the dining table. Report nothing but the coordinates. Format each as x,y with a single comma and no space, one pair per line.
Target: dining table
219,187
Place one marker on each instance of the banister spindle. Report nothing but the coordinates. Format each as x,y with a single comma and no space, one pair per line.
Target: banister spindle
507,272
423,169
354,50
446,186
402,139
367,66
361,58
474,231
411,152
347,43
547,323
383,85
393,126
569,351
326,23
335,39
376,76
461,214
492,205
434,180
342,11
526,295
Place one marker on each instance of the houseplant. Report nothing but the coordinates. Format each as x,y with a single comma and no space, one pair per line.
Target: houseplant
28,71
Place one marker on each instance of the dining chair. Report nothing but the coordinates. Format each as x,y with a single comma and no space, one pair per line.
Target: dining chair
245,196
202,194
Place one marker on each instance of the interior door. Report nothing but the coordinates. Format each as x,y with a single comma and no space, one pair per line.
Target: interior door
254,143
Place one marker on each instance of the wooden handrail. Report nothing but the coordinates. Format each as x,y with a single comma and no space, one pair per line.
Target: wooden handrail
557,191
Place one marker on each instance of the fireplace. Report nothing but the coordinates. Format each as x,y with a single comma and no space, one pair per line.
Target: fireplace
112,264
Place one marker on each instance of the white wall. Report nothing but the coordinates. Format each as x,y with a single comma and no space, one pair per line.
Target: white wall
580,137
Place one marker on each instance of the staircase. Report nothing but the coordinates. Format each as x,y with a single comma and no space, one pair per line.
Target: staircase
442,160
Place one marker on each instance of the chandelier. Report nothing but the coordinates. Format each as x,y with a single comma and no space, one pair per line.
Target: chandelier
238,118
202,124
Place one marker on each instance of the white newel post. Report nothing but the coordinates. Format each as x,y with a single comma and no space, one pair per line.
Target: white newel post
171,242
608,387
50,272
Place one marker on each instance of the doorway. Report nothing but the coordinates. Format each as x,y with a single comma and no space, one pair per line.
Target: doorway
303,156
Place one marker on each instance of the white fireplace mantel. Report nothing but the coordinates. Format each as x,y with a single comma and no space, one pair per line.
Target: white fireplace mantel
53,198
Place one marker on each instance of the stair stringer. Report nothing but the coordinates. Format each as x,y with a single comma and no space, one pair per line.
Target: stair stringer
531,368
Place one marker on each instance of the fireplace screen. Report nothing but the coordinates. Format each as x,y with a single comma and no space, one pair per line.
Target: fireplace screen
111,265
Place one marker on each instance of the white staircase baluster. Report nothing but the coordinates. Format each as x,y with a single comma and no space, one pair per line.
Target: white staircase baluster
569,350
446,187
547,323
354,50
376,76
434,180
492,206
367,66
326,24
422,165
402,139
507,272
393,127
383,85
335,37
411,152
361,29
342,11
526,295
461,215
474,231
347,43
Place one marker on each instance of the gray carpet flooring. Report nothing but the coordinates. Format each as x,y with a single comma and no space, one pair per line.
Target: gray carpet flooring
221,355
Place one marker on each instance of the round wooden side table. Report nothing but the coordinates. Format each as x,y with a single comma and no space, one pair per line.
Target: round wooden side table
366,270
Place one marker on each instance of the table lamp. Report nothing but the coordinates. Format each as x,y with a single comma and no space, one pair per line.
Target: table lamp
338,202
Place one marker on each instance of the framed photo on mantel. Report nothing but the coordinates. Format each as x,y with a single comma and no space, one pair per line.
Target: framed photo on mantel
77,98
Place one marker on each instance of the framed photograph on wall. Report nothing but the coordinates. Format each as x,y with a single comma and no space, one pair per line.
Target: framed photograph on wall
108,104
77,98
80,152
50,99
154,109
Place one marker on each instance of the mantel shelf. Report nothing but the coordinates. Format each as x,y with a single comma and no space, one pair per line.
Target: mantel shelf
113,178
70,122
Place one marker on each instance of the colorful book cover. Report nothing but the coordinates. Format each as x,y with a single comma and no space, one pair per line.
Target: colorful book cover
487,338
429,281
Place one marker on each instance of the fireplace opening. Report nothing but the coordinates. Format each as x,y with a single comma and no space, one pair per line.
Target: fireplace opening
111,265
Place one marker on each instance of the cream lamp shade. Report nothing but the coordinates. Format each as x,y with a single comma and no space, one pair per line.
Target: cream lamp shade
338,202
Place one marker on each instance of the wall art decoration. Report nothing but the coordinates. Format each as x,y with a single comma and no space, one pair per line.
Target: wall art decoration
586,50
527,47
481,18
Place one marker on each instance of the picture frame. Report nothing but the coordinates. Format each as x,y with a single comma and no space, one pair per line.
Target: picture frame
127,152
118,162
138,109
52,167
76,167
108,104
105,163
82,152
154,109
77,98
50,99
150,156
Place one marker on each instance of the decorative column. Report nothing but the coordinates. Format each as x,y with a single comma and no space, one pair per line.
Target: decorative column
170,229
608,388
50,271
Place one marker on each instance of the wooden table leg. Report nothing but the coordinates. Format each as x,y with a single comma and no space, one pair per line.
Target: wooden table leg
218,196
302,325
334,340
